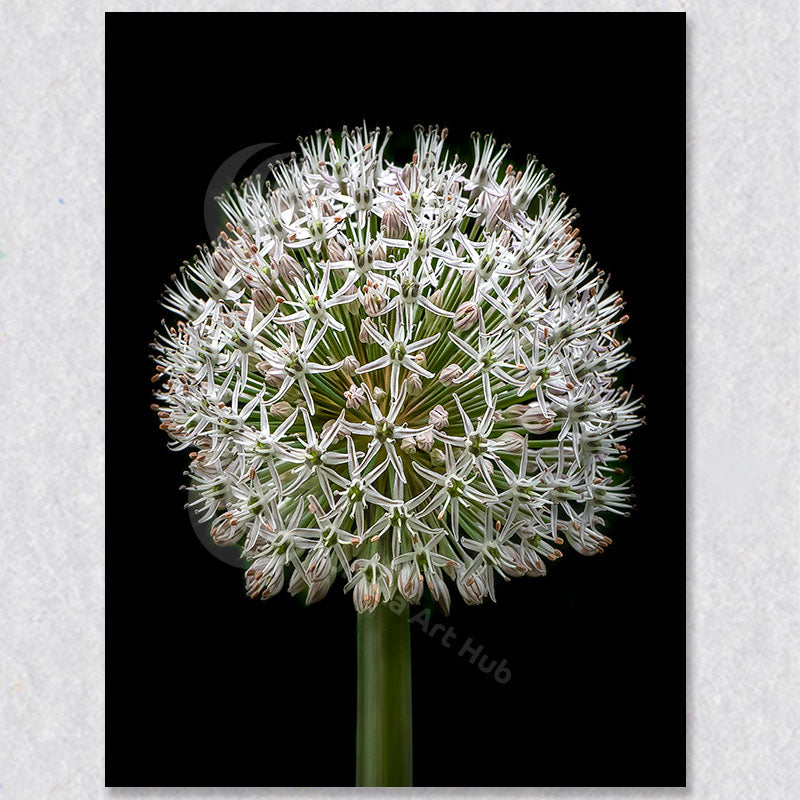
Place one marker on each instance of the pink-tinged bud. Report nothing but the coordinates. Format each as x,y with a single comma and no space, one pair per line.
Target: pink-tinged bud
468,278
273,376
379,394
319,589
264,299
473,589
289,268
440,592
421,359
350,365
405,175
374,302
514,412
364,332
466,317
450,374
413,385
409,584
500,211
392,224
424,440
281,409
437,298
407,445
355,396
511,442
532,561
437,457
298,328
537,420
327,208
439,418
335,251
222,262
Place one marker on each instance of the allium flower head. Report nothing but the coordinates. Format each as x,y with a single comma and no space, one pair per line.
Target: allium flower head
405,374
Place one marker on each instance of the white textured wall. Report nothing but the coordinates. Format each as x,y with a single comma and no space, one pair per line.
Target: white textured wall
744,603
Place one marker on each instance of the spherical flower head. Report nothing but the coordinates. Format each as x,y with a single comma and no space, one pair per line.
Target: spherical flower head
404,374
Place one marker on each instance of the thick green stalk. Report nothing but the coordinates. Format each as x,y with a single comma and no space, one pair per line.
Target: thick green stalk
383,732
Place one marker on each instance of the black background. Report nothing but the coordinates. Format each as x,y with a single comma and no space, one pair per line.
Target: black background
205,687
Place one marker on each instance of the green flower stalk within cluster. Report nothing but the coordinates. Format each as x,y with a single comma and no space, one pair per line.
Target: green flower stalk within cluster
406,375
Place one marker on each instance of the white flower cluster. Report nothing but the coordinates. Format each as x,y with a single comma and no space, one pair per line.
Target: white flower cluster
399,373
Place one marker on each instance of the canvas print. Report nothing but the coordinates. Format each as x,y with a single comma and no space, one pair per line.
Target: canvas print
397,369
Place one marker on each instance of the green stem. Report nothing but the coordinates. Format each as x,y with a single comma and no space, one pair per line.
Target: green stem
383,732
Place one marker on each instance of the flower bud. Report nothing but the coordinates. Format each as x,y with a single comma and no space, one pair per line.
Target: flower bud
364,333
281,409
437,298
273,376
222,262
437,457
409,584
356,396
439,418
466,316
473,589
350,365
407,445
374,302
511,442
535,419
392,224
450,374
440,592
289,268
413,384
264,299
421,359
425,440
335,251
379,394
